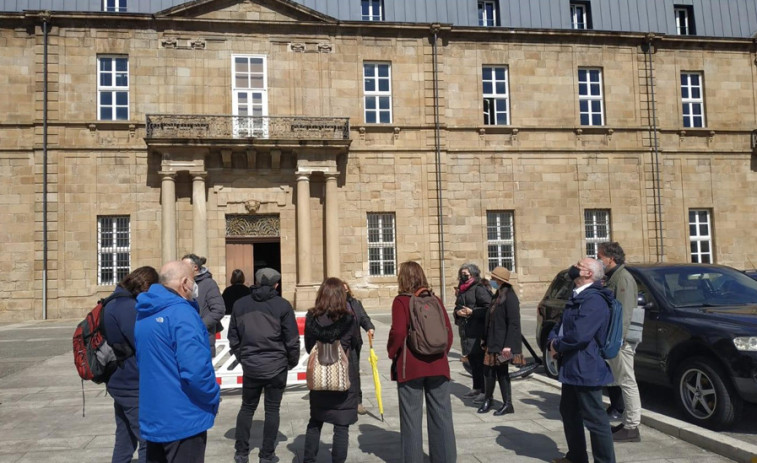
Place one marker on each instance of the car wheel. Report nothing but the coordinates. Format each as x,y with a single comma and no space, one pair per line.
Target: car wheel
703,394
550,364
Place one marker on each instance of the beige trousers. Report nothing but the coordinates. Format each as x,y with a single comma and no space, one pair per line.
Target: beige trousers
622,370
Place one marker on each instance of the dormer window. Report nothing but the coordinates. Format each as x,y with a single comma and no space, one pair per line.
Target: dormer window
372,10
114,6
488,13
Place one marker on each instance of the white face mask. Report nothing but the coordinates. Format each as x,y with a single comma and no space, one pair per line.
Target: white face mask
195,291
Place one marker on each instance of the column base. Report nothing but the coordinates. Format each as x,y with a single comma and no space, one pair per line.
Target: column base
304,297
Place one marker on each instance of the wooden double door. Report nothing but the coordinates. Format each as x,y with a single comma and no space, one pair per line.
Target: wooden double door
250,255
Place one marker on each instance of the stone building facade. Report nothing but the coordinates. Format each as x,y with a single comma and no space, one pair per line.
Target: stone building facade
312,185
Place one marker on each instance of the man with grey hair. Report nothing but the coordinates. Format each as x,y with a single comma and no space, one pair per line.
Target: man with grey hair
574,342
624,394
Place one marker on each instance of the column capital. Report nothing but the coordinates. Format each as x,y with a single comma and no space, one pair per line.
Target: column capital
196,175
167,174
303,174
331,175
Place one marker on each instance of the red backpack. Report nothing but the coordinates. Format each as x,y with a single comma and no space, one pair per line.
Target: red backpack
93,357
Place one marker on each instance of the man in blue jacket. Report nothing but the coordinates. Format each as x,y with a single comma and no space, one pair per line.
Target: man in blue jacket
178,393
575,342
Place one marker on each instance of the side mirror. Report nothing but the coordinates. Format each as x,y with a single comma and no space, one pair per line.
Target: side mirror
642,301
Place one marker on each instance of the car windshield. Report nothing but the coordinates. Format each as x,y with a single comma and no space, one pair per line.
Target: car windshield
704,286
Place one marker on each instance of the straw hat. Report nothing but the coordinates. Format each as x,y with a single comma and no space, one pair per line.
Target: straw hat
501,274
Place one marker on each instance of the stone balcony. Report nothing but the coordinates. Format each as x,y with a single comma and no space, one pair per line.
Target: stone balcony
227,129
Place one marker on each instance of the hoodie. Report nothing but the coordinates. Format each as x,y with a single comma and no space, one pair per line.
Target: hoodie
178,393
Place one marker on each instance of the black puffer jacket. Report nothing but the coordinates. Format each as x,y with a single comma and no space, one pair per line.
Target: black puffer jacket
503,323
478,299
263,333
327,406
363,320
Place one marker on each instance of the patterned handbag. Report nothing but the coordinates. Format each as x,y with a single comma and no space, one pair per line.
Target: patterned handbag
328,368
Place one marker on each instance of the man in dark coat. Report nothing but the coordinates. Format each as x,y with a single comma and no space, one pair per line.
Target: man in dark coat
264,338
583,371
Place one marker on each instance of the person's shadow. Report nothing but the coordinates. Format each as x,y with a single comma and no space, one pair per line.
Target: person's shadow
526,444
548,404
384,444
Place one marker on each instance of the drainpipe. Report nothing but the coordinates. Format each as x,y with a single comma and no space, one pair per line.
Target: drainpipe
647,48
438,161
45,20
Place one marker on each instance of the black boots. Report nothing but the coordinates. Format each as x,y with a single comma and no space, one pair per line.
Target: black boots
486,406
489,382
504,387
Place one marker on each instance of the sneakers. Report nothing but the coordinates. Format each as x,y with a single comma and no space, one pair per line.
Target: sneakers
361,410
613,414
240,458
561,460
623,434
472,393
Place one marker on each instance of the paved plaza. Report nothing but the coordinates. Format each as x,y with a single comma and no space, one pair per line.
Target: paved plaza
41,418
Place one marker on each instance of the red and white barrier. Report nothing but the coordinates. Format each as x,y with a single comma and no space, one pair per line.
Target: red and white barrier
229,372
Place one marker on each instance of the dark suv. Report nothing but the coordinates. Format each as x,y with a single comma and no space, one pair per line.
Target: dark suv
700,335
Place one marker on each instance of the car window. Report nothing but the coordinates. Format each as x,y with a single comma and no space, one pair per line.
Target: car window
698,286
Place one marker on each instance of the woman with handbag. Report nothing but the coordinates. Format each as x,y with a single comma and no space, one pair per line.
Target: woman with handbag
331,320
501,342
420,376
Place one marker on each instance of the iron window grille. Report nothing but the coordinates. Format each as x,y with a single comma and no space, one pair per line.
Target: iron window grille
597,229
381,244
113,249
500,239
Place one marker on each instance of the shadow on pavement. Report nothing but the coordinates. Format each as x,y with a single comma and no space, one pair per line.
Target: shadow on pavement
379,442
526,444
549,405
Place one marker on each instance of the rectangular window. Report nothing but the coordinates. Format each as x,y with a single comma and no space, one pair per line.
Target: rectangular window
377,88
487,14
496,95
597,226
684,19
692,99
114,6
113,248
381,244
249,91
372,10
700,236
580,16
590,97
500,239
112,88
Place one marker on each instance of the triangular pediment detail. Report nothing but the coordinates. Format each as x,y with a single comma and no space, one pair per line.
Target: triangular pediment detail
245,10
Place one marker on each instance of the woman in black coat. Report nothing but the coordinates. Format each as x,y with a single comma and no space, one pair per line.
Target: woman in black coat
502,341
236,291
471,305
329,320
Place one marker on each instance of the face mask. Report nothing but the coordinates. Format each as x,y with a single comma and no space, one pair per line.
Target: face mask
464,278
574,272
494,285
195,291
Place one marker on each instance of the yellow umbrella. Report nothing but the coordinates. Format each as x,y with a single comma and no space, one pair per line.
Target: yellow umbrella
376,379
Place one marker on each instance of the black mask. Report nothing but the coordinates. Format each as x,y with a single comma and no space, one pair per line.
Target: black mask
574,272
464,278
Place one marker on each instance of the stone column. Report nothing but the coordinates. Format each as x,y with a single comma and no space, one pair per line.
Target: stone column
303,229
168,210
332,228
199,215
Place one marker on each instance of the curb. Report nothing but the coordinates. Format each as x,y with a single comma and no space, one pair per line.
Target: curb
723,445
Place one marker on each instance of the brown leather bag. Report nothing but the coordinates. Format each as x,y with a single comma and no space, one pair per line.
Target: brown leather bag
328,368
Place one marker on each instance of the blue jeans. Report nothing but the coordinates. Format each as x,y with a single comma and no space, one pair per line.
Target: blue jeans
251,390
127,428
582,406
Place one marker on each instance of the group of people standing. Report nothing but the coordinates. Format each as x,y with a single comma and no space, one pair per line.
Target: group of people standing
162,327
490,333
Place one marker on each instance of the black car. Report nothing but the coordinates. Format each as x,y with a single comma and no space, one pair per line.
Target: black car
700,335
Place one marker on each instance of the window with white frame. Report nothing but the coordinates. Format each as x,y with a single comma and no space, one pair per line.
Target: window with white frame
684,19
590,102
381,244
496,95
579,15
249,91
377,88
597,229
372,10
700,236
692,99
113,248
114,6
500,239
113,88
487,13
